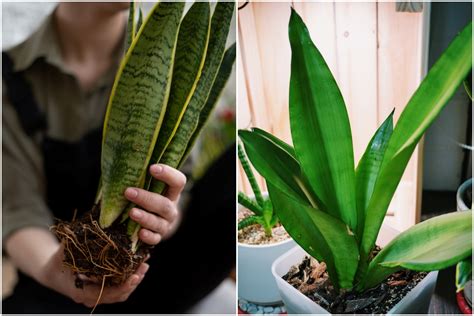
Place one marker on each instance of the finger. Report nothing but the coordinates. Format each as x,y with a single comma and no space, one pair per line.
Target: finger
87,280
142,270
120,293
152,202
175,179
149,237
150,221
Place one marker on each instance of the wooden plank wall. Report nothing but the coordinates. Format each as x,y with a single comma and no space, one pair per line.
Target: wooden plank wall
375,53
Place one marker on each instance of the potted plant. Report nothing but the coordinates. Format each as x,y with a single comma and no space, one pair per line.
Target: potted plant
261,240
335,211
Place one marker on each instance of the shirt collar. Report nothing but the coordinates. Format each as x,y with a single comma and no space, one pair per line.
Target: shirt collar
42,43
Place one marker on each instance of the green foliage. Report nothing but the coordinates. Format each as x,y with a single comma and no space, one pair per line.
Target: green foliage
333,210
164,82
261,207
463,273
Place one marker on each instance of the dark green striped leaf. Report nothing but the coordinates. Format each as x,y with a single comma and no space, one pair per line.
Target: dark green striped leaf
250,176
190,55
246,202
136,108
174,152
219,84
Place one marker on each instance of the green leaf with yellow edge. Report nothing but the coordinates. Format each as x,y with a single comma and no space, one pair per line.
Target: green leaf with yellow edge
136,108
190,55
463,273
320,126
434,244
219,83
176,149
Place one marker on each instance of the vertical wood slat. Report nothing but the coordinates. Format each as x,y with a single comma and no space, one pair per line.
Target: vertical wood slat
357,68
401,37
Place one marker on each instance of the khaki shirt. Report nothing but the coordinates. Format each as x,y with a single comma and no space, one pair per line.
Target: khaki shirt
70,113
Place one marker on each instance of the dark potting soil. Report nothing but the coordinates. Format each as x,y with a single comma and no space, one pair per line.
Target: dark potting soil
311,278
101,254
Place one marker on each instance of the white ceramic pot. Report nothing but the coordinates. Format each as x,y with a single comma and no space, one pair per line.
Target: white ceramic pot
416,301
256,282
461,205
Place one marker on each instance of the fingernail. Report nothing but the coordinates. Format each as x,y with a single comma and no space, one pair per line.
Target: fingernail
131,193
134,280
156,169
136,213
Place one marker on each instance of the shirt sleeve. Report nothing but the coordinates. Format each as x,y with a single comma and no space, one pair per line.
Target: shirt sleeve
23,186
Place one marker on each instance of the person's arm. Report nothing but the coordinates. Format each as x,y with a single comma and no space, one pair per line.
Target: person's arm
37,253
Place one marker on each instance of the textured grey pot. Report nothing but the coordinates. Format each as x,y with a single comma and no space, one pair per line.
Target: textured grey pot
417,301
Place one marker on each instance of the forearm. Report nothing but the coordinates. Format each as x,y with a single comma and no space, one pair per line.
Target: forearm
30,249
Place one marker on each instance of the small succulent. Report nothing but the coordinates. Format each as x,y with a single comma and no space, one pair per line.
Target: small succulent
261,207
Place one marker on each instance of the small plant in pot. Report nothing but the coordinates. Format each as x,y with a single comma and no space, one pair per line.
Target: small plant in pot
261,240
335,210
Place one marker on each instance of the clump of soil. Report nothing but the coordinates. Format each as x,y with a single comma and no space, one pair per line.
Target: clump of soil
255,235
101,254
310,278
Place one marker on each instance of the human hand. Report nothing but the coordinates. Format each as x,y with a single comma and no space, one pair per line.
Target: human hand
158,214
61,279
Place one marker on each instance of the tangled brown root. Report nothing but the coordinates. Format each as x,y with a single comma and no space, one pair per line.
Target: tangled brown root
104,255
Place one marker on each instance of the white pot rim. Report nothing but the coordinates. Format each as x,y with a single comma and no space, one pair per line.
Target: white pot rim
265,245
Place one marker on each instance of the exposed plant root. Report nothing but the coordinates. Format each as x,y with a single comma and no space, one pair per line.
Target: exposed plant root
100,294
102,255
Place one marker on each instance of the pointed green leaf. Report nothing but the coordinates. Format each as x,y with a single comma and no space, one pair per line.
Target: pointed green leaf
219,83
175,151
368,168
136,108
190,55
432,245
250,176
320,126
140,20
281,170
246,202
424,106
323,236
248,221
463,273
130,26
289,149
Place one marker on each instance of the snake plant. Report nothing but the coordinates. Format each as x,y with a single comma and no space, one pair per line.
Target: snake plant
168,82
261,207
333,209
169,72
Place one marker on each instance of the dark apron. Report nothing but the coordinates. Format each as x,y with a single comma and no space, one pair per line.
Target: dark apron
183,269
